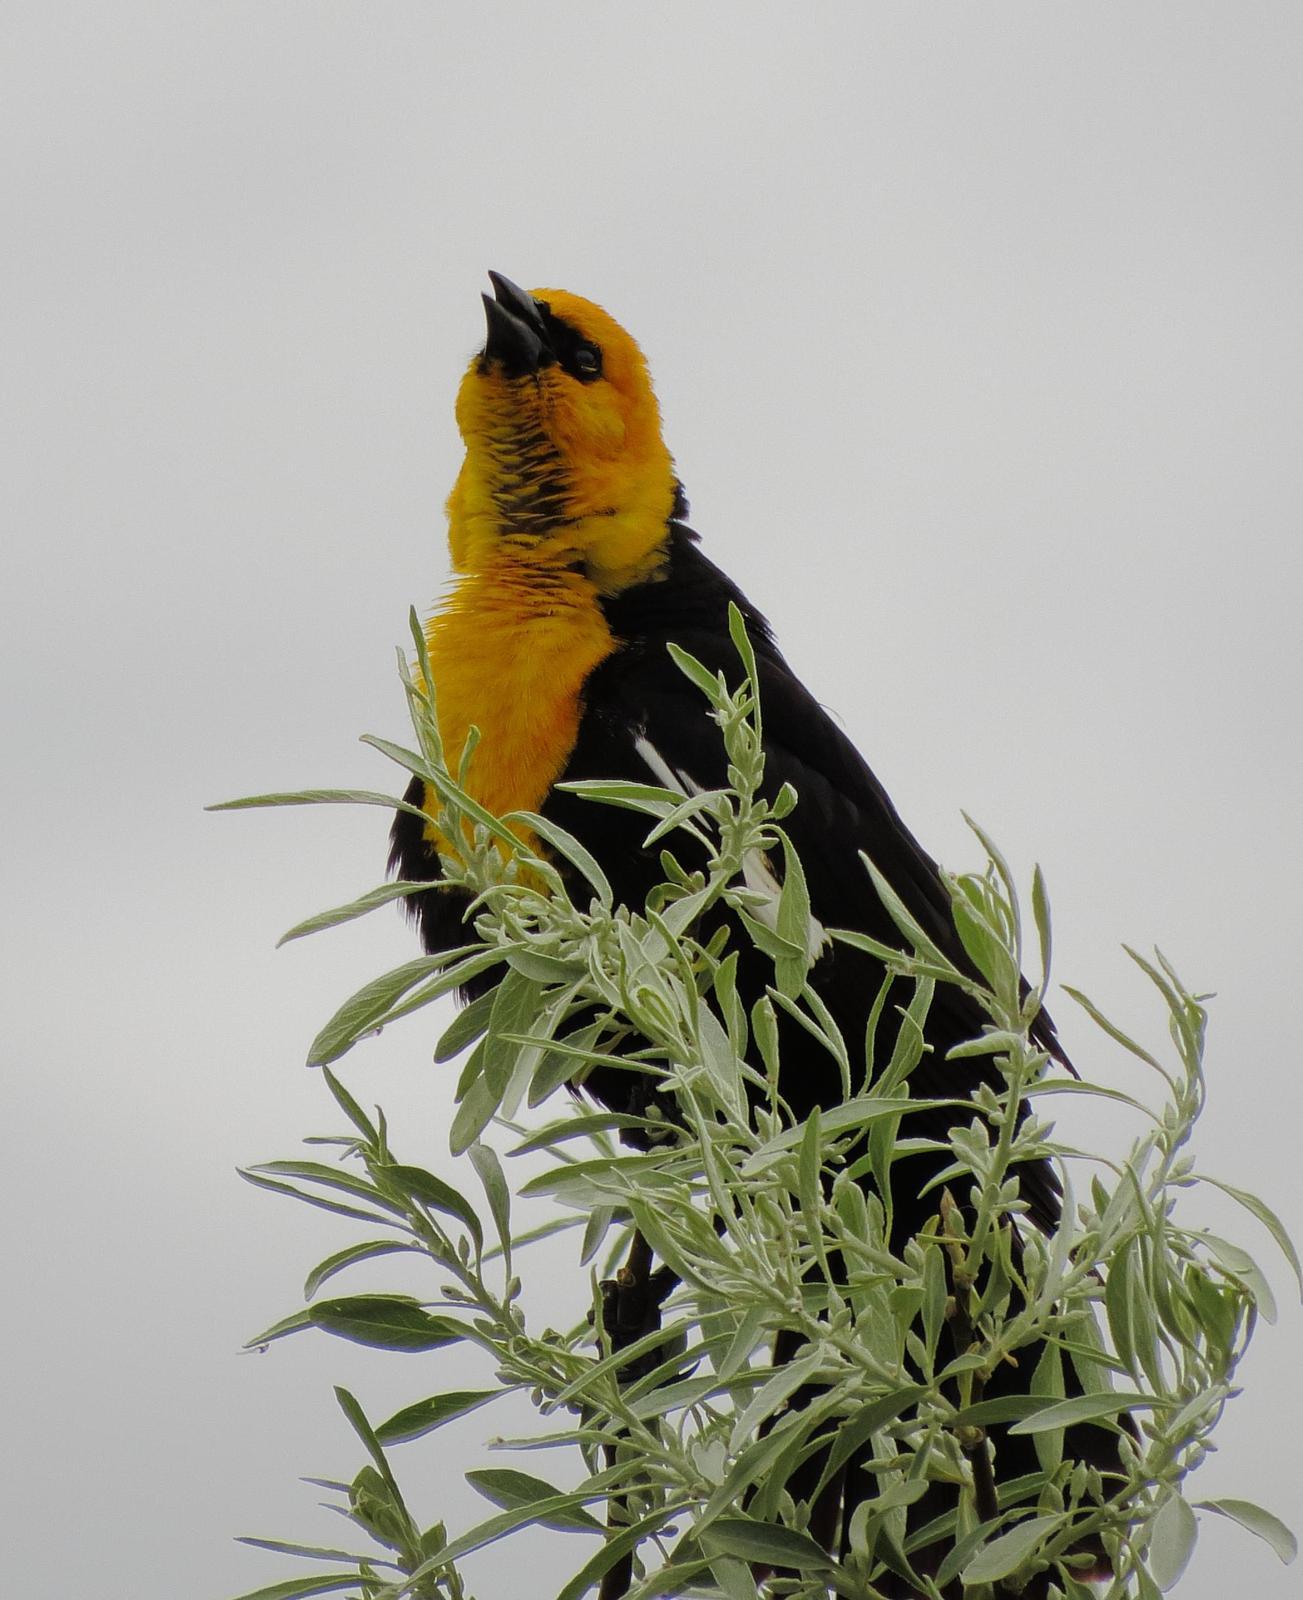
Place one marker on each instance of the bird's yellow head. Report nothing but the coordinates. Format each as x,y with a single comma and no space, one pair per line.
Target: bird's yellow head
565,465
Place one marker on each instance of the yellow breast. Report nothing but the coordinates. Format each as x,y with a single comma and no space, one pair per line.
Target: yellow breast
509,653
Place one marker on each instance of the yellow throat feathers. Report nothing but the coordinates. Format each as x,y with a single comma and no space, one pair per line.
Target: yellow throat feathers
564,496
509,655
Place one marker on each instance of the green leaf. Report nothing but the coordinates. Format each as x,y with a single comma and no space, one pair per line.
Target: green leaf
565,844
1111,1028
808,1167
1268,1218
320,797
458,801
425,993
620,1173
613,1550
1041,913
764,1027
904,919
854,1114
675,1396
361,1011
385,1321
718,1059
1047,1384
294,1323
357,1420
733,1577
1006,1554
575,1125
742,1346
329,1177
731,1007
509,1488
495,1528
767,1462
349,1106
935,1296
543,968
401,756
708,682
1082,1408
467,1026
649,798
300,1588
1257,1521
485,1161
346,1257
793,923
773,1394
383,896
312,1552
599,1224
437,1195
866,1422
516,1003
765,1542
424,1416
1059,1086
982,944
737,631
960,1552
1131,1313
473,1115
681,816
1171,1541
1242,1265
261,1181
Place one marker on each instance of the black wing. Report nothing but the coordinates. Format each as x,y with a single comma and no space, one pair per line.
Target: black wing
644,721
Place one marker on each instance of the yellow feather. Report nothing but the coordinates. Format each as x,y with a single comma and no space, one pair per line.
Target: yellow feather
522,629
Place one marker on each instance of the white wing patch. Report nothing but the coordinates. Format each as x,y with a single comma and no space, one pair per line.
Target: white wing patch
758,875
661,770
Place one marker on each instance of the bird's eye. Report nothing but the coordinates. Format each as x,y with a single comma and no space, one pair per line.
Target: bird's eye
588,362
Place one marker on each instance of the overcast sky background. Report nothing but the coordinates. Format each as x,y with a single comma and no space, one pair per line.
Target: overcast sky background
978,334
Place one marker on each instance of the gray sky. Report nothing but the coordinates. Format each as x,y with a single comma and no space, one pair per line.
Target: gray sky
978,336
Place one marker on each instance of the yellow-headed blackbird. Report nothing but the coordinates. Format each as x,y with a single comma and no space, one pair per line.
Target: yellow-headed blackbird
574,568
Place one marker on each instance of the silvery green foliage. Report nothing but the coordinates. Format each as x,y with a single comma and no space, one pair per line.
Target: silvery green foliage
749,1207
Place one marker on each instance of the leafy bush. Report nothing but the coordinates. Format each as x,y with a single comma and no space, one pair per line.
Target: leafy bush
768,1227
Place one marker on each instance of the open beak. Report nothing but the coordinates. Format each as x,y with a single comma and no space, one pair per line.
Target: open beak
517,337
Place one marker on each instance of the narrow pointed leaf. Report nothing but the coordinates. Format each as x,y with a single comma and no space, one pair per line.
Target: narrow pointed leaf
774,1545
312,1552
1171,1542
509,1488
382,896
1256,1520
385,1321
437,1195
565,844
426,1415
486,1163
1082,1408
347,1257
300,1588
1007,1553
613,1550
1268,1218
499,1527
361,1011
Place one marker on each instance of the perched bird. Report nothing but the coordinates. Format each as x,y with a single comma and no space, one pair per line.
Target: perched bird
574,568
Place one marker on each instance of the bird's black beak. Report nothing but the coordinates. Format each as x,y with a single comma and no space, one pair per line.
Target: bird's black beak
517,336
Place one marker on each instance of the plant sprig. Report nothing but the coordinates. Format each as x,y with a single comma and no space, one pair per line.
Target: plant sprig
749,1206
